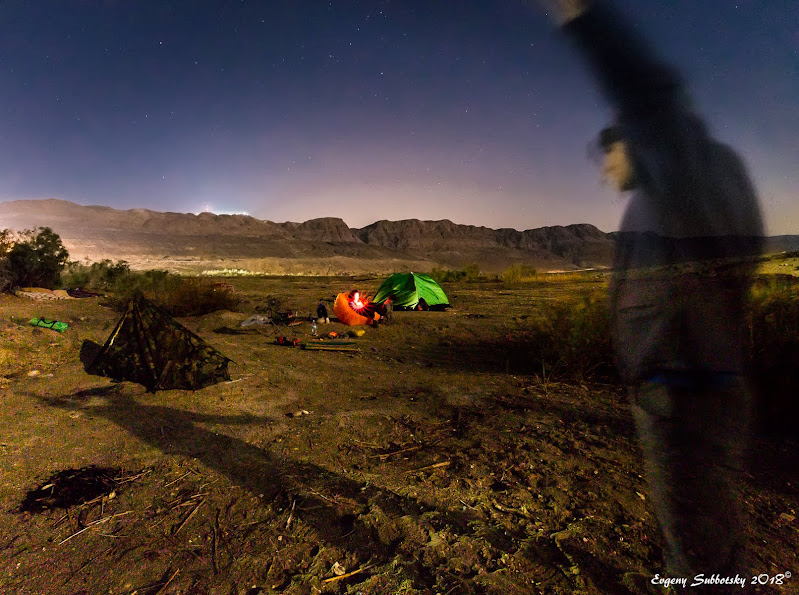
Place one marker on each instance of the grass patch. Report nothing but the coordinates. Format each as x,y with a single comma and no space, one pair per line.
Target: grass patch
518,273
471,272
570,339
774,336
98,276
230,273
180,296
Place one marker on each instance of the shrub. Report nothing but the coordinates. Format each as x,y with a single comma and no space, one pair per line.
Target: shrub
271,306
774,336
471,272
193,297
446,275
34,257
6,276
774,320
7,241
98,276
518,272
180,296
571,339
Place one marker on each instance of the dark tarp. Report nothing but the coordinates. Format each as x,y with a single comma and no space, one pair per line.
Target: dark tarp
81,293
149,347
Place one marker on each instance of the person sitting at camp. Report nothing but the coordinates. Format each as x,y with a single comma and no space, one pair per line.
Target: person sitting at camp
422,305
355,301
363,306
378,307
321,313
388,309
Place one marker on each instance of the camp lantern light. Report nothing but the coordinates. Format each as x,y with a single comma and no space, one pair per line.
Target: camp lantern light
356,302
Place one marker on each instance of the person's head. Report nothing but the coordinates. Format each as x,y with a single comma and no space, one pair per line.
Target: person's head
617,166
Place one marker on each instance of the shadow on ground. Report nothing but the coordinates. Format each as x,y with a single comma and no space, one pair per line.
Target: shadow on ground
320,492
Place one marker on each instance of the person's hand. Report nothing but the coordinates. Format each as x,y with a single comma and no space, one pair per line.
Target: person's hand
563,11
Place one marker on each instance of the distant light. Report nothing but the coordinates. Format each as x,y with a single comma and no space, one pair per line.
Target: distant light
210,209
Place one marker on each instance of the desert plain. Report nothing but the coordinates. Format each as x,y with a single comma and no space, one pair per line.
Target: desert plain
435,459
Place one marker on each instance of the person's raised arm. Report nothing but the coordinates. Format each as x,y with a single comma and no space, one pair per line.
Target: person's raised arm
635,81
564,11
664,138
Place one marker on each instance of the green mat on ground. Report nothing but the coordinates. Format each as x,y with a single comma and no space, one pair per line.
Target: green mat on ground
46,323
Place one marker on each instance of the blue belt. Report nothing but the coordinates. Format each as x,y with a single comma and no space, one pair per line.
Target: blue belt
696,379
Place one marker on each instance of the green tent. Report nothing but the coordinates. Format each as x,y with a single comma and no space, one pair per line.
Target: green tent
149,347
406,289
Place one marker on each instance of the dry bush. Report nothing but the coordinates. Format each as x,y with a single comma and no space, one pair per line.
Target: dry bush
180,296
471,272
774,334
518,273
97,276
271,306
195,297
570,339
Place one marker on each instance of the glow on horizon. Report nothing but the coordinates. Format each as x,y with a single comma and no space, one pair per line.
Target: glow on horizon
209,209
481,119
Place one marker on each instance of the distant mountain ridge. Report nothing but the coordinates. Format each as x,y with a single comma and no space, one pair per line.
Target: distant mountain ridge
206,241
185,241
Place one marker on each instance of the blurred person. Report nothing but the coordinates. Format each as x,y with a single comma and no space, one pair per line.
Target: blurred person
388,307
679,322
384,309
355,300
322,313
364,306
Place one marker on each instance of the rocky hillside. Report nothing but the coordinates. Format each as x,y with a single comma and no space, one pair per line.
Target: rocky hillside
184,241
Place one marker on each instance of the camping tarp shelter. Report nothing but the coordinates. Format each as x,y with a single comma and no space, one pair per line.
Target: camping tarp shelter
149,347
406,289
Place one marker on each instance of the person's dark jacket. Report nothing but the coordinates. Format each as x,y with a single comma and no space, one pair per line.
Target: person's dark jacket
693,201
321,311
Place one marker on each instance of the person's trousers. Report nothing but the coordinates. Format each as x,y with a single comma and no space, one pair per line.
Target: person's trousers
694,442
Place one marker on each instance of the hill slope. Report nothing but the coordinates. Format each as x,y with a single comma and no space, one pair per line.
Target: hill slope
185,241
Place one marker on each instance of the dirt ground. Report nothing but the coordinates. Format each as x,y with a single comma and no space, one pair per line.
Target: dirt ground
435,460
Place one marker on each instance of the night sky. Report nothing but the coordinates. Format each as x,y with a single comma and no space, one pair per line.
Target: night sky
477,112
